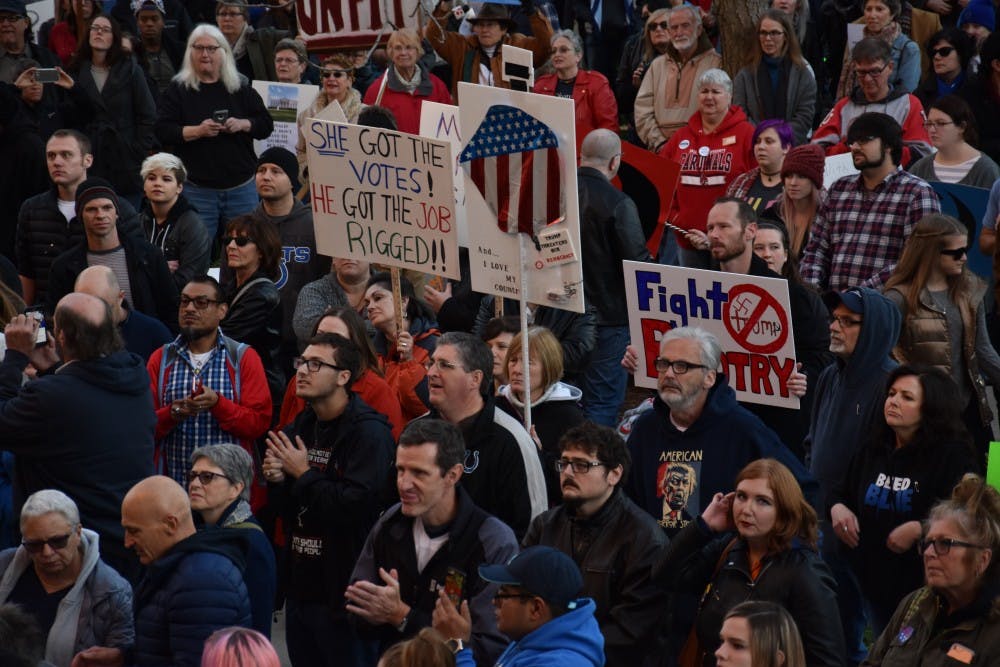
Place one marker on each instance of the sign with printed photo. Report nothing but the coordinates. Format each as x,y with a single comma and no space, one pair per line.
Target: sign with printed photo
751,317
284,101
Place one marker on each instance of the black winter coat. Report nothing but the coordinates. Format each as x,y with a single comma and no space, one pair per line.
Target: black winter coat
255,319
796,578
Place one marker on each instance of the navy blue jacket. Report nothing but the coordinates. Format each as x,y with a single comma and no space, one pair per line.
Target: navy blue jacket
187,594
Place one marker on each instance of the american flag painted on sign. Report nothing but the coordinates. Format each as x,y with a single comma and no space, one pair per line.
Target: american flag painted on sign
513,159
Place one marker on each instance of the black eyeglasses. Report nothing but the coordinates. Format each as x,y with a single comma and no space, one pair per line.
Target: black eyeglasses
313,365
240,241
11,18
956,253
771,34
661,25
579,467
54,543
335,73
942,545
679,367
943,51
860,141
843,321
511,596
870,72
200,302
204,476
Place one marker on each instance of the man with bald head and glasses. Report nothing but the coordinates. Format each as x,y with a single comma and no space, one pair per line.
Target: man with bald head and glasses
207,388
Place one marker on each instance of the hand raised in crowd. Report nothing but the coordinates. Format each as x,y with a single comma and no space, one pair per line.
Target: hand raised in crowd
718,516
65,81
904,536
797,382
697,238
377,604
404,345
845,525
451,622
637,76
21,333
294,458
436,298
630,361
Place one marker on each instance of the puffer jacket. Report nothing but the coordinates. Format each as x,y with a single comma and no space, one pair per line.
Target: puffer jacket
615,550
916,637
96,611
795,578
187,594
182,237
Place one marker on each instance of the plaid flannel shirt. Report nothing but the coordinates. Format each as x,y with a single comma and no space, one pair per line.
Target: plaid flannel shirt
858,235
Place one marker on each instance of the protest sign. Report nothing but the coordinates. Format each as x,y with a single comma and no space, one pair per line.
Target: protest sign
993,465
968,204
284,101
440,121
382,196
519,162
838,166
750,315
344,24
649,180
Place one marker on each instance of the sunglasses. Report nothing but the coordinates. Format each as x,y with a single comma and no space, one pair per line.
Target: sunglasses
54,543
943,51
956,253
204,476
240,241
661,25
335,73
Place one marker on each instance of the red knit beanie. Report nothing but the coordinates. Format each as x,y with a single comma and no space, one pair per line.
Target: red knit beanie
806,160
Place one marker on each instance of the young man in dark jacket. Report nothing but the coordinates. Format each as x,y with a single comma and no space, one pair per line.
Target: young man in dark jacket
326,472
611,539
193,583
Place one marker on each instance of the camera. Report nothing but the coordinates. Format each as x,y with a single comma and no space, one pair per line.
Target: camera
46,75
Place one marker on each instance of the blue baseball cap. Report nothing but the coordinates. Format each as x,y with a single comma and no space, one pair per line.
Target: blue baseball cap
543,571
851,299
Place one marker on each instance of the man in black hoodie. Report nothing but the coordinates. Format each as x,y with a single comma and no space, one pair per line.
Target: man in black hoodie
327,471
88,429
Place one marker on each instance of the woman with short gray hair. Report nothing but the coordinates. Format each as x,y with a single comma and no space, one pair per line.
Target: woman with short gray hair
219,488
713,149
596,106
58,577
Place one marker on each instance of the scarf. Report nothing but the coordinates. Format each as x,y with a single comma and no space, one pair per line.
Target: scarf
408,85
240,47
772,86
848,79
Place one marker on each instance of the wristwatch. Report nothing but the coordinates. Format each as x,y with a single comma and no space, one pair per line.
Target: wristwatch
455,645
402,625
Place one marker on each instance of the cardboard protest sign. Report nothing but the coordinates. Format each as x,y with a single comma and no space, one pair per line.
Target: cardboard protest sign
440,121
344,24
751,317
519,162
968,204
838,166
649,180
284,101
382,196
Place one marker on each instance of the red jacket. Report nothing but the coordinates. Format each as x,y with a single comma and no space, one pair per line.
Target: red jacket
596,106
406,106
372,389
709,163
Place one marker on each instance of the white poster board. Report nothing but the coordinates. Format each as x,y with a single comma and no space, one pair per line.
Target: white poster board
284,101
382,196
750,316
489,115
838,166
440,121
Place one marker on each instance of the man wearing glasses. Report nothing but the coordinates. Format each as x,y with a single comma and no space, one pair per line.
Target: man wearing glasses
420,562
611,539
859,231
14,44
326,472
872,59
207,388
849,394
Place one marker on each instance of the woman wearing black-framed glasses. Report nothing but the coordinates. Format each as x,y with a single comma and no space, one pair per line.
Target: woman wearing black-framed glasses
944,324
952,619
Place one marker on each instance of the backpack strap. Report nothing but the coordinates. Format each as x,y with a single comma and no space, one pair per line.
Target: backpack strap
234,352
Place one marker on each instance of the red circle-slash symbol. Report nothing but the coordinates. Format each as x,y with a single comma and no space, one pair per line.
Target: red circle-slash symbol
756,302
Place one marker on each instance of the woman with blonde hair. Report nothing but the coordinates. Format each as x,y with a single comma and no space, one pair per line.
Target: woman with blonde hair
772,557
759,634
554,404
427,649
944,322
639,52
406,83
336,85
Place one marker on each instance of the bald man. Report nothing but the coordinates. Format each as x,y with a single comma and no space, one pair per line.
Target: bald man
193,583
86,430
143,334
610,232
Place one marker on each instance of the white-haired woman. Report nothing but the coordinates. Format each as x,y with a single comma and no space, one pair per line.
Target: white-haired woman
170,222
57,576
596,106
209,119
407,82
713,148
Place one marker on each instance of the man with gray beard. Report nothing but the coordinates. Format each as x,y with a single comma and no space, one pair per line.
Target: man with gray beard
696,421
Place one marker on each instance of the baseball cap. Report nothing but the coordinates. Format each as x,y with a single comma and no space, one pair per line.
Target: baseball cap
543,571
851,299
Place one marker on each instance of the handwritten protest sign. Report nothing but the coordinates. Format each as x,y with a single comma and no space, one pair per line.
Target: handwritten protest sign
750,316
382,196
838,166
545,190
284,101
968,204
440,121
340,24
